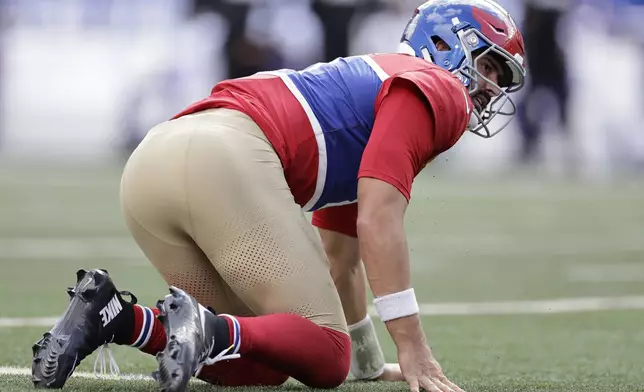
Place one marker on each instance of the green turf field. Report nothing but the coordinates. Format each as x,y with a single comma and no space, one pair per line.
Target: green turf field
474,242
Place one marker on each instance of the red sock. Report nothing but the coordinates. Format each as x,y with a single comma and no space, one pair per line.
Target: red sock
148,334
242,372
318,357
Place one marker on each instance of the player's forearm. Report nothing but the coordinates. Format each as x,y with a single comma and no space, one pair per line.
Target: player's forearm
367,359
346,270
351,285
384,250
383,247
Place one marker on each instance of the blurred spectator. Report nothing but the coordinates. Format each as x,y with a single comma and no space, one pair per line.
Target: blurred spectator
547,72
112,70
336,17
244,55
292,28
630,19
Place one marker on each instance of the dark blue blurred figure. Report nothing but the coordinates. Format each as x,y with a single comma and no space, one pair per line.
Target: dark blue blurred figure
546,70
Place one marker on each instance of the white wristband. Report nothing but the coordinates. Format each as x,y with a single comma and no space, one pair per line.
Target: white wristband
396,305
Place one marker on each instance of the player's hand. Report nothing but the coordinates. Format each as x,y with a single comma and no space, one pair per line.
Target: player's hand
421,370
392,373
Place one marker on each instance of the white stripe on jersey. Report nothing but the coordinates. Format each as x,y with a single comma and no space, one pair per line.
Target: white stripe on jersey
319,138
376,68
341,203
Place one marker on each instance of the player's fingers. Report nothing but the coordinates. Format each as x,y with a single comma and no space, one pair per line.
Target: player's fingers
450,384
442,386
427,384
413,384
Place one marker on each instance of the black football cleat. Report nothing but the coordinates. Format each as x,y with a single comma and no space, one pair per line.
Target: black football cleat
190,329
86,325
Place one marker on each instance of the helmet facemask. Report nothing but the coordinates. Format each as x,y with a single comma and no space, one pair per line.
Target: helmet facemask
475,46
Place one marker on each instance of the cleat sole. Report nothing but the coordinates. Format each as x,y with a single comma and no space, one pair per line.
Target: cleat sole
179,360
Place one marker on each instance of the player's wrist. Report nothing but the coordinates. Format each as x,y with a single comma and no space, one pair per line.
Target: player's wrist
406,331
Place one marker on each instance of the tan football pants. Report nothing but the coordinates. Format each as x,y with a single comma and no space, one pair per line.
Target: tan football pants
205,198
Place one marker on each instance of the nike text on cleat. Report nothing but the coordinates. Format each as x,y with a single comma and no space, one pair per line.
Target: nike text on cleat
190,329
87,324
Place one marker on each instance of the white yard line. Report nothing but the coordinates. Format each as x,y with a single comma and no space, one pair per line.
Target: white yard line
27,321
561,305
16,371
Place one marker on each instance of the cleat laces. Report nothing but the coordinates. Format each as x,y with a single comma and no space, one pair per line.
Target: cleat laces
105,353
222,356
101,362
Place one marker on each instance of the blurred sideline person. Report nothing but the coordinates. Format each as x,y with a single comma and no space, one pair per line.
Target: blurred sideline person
216,197
547,72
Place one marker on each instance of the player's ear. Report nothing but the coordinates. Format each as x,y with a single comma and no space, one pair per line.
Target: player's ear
441,45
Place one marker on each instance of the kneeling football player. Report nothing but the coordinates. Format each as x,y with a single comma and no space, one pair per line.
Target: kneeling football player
215,198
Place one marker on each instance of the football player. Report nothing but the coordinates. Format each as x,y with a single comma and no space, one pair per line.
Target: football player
215,198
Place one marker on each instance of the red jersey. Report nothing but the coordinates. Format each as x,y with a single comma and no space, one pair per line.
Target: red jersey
383,116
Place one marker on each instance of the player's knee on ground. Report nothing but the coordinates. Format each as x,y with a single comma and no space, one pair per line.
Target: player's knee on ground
334,366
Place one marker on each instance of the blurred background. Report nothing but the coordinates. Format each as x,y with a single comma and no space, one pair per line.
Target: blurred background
552,208
82,79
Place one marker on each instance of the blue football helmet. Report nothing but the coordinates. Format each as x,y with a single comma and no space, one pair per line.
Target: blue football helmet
471,29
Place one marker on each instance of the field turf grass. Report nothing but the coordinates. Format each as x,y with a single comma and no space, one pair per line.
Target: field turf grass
472,240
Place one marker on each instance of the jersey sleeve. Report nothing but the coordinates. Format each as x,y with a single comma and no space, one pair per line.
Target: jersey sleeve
341,219
418,115
447,97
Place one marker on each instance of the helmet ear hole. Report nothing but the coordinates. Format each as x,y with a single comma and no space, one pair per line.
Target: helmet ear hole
440,44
